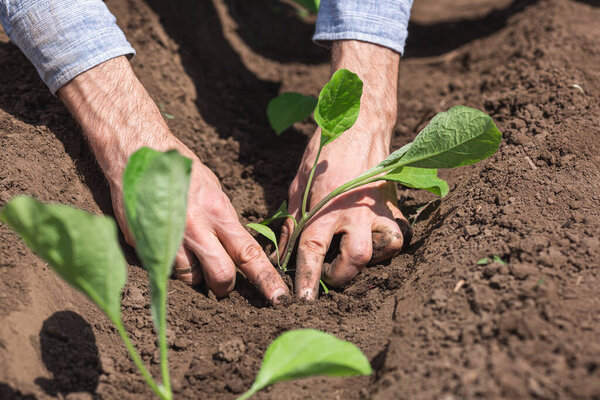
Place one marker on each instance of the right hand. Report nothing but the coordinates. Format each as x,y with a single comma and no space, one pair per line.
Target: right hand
107,101
214,242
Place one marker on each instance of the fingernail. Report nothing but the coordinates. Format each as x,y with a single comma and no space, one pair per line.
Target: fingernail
280,296
307,294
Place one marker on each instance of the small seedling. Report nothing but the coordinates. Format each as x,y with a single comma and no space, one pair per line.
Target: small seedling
84,249
165,114
454,138
308,352
495,259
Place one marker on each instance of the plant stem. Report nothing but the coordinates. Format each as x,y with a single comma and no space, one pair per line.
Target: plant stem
309,182
137,360
162,343
367,177
325,289
248,394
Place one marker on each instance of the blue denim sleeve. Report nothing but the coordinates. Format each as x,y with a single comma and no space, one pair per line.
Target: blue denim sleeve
63,38
383,22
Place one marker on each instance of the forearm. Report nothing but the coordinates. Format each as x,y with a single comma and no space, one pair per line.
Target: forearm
377,67
116,114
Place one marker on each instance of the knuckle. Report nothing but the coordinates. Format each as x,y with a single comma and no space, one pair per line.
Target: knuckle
223,275
396,243
249,252
293,189
360,254
314,245
218,204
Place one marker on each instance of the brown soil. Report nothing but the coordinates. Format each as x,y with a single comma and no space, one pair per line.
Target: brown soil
529,329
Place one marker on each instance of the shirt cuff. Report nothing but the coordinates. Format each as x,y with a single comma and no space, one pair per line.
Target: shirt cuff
64,38
383,22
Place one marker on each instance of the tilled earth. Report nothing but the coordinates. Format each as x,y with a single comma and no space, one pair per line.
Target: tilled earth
434,323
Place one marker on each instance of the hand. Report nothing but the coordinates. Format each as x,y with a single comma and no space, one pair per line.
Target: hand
366,217
118,117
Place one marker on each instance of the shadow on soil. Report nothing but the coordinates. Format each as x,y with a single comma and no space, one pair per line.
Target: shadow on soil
233,99
275,30
440,38
595,3
69,352
8,393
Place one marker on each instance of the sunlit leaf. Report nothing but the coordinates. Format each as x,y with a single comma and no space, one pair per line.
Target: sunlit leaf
288,108
266,232
339,104
282,212
457,137
155,190
81,248
419,178
308,352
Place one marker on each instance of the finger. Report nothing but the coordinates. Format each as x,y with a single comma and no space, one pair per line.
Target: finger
249,257
314,242
387,239
187,268
356,249
217,267
286,231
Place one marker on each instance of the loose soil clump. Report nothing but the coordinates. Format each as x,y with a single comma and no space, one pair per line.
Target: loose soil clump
434,323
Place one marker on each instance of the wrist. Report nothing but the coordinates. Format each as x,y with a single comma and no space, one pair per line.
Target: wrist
116,114
377,67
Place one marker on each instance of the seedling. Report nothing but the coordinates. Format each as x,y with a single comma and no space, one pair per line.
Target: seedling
495,259
454,138
84,250
310,5
308,352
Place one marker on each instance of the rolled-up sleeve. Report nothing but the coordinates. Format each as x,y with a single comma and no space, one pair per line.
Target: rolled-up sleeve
384,22
63,38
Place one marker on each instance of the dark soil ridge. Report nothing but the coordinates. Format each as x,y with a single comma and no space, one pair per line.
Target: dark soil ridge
529,329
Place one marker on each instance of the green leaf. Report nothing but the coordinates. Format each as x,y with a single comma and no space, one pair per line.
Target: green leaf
282,212
496,258
266,232
339,104
310,5
155,190
288,108
419,178
81,248
457,137
395,156
308,352
483,261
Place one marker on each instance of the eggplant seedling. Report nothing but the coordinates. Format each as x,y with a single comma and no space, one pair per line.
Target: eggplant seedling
83,249
454,138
